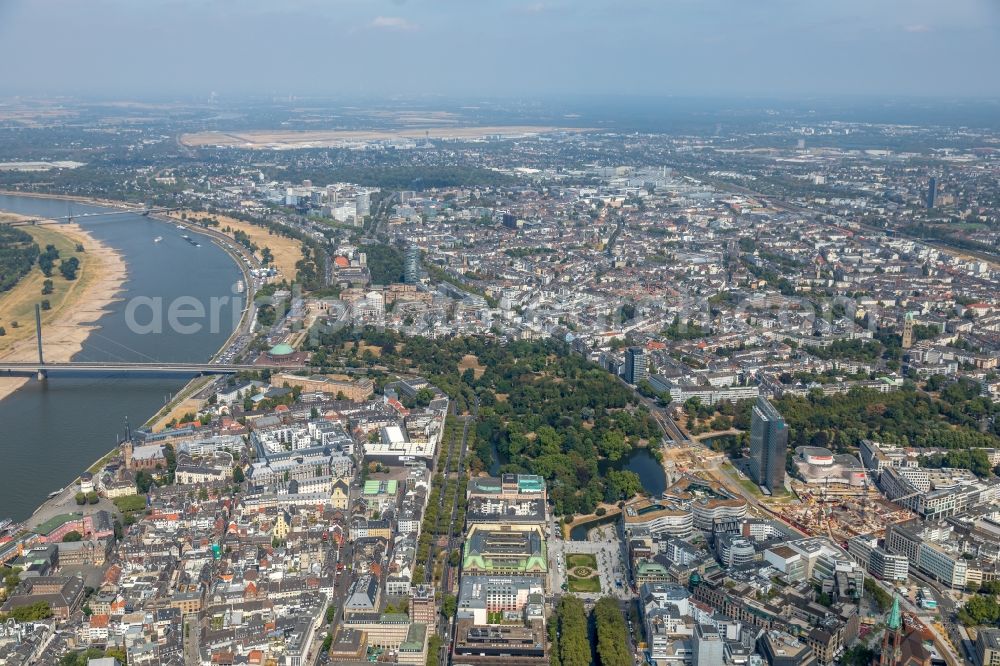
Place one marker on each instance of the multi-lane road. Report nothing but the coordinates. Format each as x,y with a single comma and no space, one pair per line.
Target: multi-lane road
455,532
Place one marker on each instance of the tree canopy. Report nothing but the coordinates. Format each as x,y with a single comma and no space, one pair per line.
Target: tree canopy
574,644
906,417
37,611
18,252
542,409
612,639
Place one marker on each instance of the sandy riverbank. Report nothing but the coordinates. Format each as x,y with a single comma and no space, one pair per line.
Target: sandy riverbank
286,250
75,304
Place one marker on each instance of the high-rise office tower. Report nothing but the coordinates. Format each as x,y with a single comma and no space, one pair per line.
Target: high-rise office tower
635,365
768,444
411,265
931,192
362,204
509,220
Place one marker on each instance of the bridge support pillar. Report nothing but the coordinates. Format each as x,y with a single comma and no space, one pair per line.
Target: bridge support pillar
38,333
42,372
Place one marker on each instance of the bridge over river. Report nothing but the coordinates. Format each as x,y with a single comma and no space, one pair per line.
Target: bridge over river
43,370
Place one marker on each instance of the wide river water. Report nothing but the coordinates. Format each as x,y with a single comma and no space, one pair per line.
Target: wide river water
51,431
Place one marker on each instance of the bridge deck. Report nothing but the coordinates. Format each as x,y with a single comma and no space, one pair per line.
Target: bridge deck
144,212
85,368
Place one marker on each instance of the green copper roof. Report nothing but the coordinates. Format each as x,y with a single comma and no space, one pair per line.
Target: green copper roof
895,620
281,350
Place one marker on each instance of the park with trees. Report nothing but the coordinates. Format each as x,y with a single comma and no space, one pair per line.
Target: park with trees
541,409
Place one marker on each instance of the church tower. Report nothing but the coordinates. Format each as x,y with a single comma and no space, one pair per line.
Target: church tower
908,330
892,639
127,453
127,446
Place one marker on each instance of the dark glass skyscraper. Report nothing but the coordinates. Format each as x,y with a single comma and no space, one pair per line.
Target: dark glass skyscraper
931,192
635,365
768,444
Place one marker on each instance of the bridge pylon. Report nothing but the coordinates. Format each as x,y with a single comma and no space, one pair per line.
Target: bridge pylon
42,373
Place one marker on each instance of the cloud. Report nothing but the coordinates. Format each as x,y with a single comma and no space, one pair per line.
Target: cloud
917,27
393,23
538,7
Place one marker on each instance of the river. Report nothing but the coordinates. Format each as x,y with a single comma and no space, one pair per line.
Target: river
51,431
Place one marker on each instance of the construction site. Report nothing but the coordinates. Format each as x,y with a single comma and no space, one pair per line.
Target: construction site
837,510
840,515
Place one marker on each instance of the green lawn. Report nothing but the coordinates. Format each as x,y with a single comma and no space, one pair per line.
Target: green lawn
592,584
745,481
581,560
130,503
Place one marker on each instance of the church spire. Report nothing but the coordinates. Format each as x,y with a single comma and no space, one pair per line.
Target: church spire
892,639
895,620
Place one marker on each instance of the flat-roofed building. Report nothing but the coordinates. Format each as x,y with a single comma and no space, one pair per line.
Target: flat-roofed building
413,650
395,444
707,644
876,456
388,630
932,550
348,645
511,645
422,605
988,646
876,560
656,517
481,509
508,487
481,596
781,649
816,559
709,502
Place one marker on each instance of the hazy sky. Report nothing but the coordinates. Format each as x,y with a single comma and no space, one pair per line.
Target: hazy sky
500,47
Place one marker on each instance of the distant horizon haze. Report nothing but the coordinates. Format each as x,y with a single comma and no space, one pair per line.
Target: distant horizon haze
787,49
